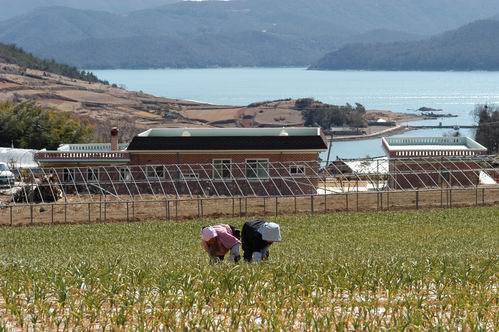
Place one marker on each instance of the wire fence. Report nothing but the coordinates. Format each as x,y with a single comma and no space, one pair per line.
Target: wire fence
257,187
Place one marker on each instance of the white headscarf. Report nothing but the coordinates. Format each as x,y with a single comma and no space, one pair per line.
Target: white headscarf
270,232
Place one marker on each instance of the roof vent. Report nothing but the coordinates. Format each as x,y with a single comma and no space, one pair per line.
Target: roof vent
186,133
283,133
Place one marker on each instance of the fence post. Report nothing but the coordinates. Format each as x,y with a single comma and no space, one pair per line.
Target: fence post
417,199
176,209
240,207
441,197
483,196
264,205
476,196
127,212
450,198
65,213
133,208
312,204
276,206
233,207
89,212
357,197
52,214
202,208
296,208
245,206
31,212
199,208
100,207
10,208
346,201
325,202
388,200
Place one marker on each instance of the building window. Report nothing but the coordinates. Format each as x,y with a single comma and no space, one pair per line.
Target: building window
68,175
297,170
92,175
155,172
257,168
446,176
125,174
189,175
222,168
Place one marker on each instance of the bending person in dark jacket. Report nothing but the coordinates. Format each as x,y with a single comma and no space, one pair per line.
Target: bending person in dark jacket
256,238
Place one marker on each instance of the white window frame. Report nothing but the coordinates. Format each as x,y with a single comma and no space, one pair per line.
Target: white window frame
125,174
188,175
216,175
158,172
258,161
300,167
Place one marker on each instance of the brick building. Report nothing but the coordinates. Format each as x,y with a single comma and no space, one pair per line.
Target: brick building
422,162
196,161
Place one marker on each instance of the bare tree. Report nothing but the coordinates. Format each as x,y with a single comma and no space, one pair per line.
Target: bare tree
487,134
127,129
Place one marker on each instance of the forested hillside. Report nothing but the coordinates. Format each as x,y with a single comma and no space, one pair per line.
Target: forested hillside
17,56
472,47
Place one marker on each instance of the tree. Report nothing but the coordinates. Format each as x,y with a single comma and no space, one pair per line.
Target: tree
326,116
487,133
31,126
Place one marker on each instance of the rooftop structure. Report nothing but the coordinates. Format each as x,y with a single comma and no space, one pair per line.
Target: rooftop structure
94,147
229,139
229,132
401,147
94,154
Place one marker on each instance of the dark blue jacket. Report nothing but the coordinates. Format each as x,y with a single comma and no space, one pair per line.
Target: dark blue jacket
251,239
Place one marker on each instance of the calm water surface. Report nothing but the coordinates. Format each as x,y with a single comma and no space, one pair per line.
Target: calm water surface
454,92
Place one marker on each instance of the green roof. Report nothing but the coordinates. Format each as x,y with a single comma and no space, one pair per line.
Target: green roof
229,132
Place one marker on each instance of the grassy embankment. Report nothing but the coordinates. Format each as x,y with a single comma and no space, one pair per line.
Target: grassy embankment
417,270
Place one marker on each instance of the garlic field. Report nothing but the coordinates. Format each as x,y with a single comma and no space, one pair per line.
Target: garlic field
341,271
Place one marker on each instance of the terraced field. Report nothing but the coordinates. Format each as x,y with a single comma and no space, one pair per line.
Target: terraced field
408,269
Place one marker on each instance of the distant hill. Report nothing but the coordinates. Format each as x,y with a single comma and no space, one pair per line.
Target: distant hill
384,36
13,55
226,33
209,50
474,46
12,8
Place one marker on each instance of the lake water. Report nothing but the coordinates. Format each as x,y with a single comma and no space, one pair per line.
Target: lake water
454,92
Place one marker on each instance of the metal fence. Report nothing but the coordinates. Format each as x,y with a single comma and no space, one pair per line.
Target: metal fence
256,187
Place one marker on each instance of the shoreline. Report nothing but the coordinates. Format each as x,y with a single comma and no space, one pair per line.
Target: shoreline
387,132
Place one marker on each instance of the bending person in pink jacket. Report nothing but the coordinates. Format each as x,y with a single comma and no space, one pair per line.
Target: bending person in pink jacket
218,240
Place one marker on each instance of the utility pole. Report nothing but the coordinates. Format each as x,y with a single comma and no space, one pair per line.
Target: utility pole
329,149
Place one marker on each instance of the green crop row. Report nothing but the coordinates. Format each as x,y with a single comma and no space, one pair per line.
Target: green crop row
350,271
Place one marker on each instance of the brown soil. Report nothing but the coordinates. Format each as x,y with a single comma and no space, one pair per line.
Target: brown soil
100,102
170,209
212,114
392,116
279,116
